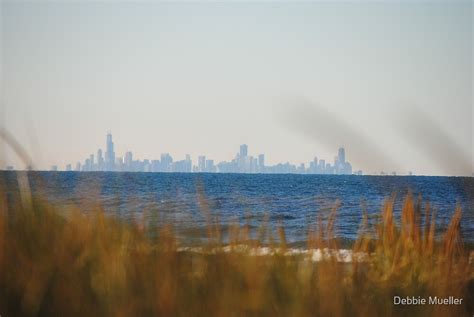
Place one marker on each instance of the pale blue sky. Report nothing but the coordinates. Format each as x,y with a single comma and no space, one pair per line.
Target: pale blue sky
202,78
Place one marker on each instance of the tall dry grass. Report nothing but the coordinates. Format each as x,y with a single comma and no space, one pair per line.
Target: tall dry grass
94,265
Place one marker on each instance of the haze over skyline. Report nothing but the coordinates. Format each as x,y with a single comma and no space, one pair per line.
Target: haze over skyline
243,162
389,81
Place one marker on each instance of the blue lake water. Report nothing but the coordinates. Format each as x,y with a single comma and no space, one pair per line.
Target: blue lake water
288,199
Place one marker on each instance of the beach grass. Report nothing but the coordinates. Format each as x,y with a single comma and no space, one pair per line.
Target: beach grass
54,263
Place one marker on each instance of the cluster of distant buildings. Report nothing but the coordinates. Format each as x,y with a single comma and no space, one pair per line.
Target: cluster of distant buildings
242,163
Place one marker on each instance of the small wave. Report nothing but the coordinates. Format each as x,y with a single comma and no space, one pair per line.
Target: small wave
315,255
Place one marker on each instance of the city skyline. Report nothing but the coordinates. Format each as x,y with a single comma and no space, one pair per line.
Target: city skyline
241,163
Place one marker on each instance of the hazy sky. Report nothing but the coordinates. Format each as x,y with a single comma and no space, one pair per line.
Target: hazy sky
391,81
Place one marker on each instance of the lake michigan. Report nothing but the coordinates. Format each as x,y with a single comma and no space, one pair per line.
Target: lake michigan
291,200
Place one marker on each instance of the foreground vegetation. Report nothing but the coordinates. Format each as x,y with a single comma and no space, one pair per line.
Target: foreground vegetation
94,265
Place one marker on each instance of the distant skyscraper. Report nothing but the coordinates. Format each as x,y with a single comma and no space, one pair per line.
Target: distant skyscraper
166,162
188,163
155,165
347,168
337,166
243,150
201,163
68,168
322,166
244,162
54,168
146,165
315,167
91,157
261,163
78,167
253,168
110,154
100,160
344,167
210,168
87,165
329,169
341,155
128,161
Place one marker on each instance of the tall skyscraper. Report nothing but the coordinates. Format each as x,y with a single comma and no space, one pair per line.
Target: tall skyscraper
243,161
110,154
243,150
313,166
201,163
341,155
189,164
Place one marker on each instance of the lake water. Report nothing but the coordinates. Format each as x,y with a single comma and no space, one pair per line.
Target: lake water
288,199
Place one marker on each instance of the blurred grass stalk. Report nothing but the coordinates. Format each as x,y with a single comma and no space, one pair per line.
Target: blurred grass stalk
94,265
